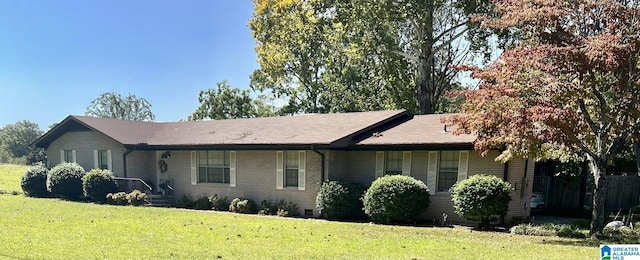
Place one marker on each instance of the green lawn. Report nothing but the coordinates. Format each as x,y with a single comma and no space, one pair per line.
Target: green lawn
53,229
10,178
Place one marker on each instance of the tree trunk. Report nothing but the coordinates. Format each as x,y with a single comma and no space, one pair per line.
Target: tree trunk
599,170
636,151
424,79
584,171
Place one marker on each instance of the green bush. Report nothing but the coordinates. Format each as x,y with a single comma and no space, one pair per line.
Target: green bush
340,200
395,198
137,198
245,206
202,203
34,181
267,208
549,229
480,197
97,183
219,203
119,198
65,181
280,208
287,209
185,201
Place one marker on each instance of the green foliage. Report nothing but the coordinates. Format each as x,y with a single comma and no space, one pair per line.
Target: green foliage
34,181
119,198
620,236
480,197
97,183
137,198
549,229
395,198
280,208
267,208
15,140
245,206
331,56
219,203
113,105
340,200
202,202
227,102
185,201
65,181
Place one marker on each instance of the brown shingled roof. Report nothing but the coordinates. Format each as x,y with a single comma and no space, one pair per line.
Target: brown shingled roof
321,129
421,130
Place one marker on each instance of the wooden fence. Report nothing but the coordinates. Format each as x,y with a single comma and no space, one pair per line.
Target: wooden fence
623,192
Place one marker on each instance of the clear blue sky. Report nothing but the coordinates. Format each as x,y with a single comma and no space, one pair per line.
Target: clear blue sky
58,55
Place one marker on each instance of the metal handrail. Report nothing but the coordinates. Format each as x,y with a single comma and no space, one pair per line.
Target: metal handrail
135,179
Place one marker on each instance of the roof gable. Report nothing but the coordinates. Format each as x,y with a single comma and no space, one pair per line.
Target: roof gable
421,130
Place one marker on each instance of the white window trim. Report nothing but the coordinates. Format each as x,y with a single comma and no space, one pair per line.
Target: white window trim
96,160
381,163
73,156
280,167
232,170
433,170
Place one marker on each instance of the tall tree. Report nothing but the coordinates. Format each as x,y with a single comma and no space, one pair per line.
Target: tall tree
226,102
113,105
572,85
339,55
15,140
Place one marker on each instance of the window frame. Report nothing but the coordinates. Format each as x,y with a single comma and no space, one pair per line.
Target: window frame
399,161
452,169
103,163
287,167
226,167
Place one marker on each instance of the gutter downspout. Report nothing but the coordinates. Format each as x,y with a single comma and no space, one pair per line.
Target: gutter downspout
524,179
505,173
322,160
124,160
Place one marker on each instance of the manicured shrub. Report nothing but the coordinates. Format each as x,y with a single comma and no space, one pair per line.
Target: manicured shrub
267,208
287,209
65,181
97,183
219,203
185,201
395,198
34,181
137,198
340,200
246,206
119,198
202,202
480,197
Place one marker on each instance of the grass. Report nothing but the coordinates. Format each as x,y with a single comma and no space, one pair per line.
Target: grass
33,228
10,178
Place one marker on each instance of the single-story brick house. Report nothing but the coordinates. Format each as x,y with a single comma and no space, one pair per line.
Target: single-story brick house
285,158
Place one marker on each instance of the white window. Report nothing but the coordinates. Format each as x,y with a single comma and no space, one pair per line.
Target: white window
290,169
392,163
445,168
214,167
68,156
102,159
448,170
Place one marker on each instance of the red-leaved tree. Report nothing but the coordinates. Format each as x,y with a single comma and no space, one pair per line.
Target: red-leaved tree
570,86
